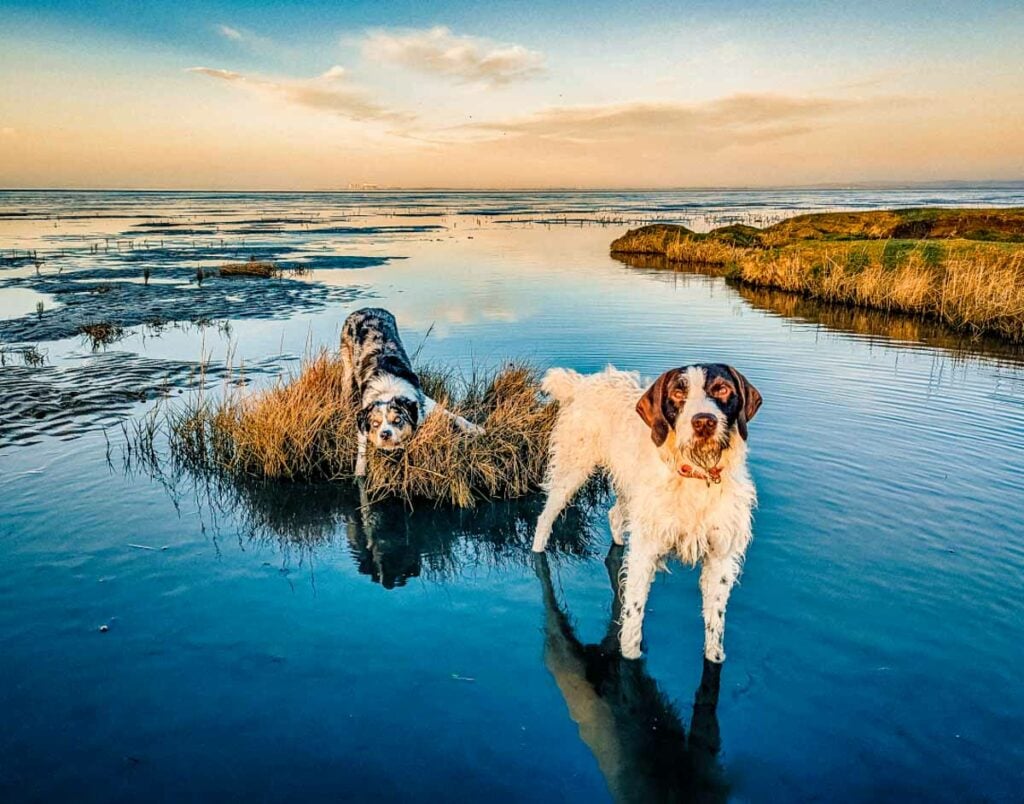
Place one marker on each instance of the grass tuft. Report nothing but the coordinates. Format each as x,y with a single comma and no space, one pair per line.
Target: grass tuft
102,333
252,267
304,429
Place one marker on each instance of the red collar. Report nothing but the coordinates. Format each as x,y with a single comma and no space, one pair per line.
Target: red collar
710,476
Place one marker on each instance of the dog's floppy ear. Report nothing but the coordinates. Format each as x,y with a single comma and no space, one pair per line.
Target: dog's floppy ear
409,407
750,400
363,419
651,408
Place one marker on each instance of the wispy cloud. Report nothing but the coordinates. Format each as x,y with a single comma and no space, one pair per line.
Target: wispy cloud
737,119
328,92
245,38
438,51
230,33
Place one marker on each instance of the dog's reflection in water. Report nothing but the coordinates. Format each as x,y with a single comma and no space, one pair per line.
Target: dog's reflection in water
633,730
392,544
382,545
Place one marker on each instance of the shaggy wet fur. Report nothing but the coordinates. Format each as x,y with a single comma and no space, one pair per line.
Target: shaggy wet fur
676,457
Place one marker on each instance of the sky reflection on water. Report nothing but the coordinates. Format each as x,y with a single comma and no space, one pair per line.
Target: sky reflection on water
286,642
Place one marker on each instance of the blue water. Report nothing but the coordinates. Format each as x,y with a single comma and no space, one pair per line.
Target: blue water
278,643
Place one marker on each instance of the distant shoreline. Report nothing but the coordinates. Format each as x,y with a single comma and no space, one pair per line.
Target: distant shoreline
952,184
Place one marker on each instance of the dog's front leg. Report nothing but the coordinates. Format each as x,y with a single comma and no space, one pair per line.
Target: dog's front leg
640,567
717,577
361,456
463,424
348,379
466,426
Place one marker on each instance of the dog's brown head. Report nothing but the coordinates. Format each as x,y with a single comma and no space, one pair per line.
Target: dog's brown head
701,405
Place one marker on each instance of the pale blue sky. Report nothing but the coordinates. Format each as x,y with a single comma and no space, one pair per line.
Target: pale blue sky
476,94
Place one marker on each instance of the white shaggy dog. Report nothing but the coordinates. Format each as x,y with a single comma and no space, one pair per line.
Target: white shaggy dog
676,457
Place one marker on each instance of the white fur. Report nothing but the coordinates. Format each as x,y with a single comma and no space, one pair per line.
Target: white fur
664,513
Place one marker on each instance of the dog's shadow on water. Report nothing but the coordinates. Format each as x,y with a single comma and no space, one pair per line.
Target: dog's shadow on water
633,730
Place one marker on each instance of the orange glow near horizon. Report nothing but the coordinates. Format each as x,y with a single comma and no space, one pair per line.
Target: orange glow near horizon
436,108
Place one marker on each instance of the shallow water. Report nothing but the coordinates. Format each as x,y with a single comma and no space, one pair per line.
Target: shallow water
277,642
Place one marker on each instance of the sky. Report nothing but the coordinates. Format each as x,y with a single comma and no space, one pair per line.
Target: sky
327,95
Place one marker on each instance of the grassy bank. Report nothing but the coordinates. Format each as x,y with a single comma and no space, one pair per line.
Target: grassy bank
964,268
304,429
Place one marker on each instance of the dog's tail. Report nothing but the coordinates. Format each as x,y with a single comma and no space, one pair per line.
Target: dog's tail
561,384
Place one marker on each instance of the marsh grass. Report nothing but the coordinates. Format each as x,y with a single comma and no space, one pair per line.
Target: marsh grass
974,287
252,267
968,284
679,244
303,429
102,333
263,269
30,356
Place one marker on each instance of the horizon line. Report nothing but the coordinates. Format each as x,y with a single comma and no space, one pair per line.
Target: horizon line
852,185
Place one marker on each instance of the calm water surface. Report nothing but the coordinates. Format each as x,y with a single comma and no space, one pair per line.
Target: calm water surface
275,643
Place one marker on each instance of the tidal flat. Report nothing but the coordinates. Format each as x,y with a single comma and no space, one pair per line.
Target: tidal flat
168,634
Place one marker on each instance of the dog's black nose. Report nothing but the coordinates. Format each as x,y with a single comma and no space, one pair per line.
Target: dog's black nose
704,424
385,435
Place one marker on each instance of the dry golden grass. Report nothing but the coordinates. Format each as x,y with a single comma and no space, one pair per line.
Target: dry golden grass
978,287
691,251
304,429
871,323
969,285
261,268
999,225
653,239
677,244
834,225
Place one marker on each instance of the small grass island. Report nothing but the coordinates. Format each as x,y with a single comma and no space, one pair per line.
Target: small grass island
964,267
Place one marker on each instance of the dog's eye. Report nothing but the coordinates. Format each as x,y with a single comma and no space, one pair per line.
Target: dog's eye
678,394
721,391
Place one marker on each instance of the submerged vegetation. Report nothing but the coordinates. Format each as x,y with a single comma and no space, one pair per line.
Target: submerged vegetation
304,428
964,268
101,333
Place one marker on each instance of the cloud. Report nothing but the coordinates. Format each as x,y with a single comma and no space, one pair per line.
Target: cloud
438,51
737,119
230,33
244,38
334,73
327,93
